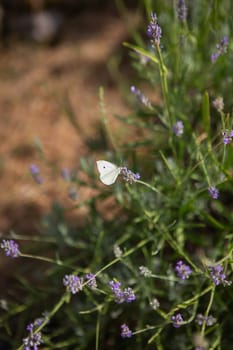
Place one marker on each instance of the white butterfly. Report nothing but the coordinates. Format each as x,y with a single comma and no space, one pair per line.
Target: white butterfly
108,171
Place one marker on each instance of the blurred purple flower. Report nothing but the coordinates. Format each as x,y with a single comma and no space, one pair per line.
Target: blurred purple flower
178,128
182,10
129,176
213,192
218,276
221,49
11,248
35,172
125,331
183,271
177,320
154,31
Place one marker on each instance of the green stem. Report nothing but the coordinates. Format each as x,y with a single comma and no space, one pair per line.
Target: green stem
176,247
163,77
208,310
43,258
149,186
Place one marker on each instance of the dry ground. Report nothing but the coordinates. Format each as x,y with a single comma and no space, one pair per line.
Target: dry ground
34,81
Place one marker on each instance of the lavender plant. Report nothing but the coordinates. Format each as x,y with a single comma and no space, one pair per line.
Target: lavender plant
154,270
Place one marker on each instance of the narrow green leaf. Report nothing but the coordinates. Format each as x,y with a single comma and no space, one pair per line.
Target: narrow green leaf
206,112
142,52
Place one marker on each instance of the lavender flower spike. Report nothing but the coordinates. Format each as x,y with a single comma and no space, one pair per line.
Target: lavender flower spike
154,31
11,248
218,276
178,128
227,136
183,271
140,96
34,339
181,10
125,331
73,283
35,172
117,291
129,176
221,49
91,280
213,192
177,320
129,295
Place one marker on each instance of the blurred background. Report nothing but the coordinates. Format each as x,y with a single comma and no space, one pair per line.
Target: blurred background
54,55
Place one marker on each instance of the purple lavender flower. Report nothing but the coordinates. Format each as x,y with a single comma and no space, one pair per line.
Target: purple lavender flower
218,276
154,31
125,331
177,320
73,283
35,172
221,49
11,248
90,277
209,320
34,338
129,176
227,136
183,271
181,10
117,291
129,295
178,128
140,96
213,192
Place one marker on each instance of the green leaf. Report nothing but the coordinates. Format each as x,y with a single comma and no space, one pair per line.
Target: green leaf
206,112
142,52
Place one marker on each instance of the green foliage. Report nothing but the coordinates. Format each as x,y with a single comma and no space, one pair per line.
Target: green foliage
167,216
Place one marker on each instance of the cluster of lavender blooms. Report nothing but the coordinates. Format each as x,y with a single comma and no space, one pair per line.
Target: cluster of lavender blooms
227,136
218,276
218,103
127,295
178,128
183,271
125,331
117,251
140,96
145,271
35,172
155,304
154,31
209,320
74,283
177,320
129,176
221,49
213,192
34,339
182,10
91,280
10,247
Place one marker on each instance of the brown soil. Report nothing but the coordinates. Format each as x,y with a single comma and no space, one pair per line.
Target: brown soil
35,80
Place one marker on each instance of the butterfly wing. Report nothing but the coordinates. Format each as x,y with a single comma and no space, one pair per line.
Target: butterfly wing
108,171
